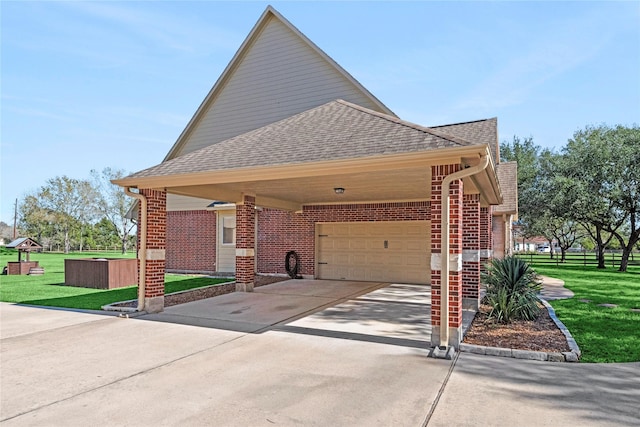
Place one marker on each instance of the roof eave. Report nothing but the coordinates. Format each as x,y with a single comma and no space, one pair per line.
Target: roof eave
309,169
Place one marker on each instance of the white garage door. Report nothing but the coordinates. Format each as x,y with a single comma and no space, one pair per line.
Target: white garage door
397,251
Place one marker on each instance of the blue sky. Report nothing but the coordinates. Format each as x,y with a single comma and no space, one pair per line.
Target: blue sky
88,85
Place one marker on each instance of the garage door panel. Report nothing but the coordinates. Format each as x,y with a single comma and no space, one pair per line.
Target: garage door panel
356,251
358,244
413,260
395,244
415,245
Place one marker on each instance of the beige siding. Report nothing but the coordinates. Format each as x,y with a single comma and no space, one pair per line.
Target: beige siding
280,75
184,203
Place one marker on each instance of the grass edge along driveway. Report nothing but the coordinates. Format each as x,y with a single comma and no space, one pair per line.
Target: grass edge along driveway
604,334
49,289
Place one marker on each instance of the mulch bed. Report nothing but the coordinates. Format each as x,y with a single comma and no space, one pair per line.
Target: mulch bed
541,334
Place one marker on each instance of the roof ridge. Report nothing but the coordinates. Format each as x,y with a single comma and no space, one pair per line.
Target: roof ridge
465,123
406,123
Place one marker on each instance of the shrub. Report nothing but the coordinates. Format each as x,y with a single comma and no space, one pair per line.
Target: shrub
512,290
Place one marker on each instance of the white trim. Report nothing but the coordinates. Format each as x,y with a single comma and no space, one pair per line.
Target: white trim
155,254
249,252
225,207
455,262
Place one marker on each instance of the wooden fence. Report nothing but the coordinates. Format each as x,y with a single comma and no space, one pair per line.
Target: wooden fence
611,258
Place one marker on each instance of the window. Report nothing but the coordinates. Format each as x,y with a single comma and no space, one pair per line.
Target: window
228,230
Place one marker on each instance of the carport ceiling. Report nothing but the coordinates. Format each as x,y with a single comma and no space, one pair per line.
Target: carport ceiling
408,184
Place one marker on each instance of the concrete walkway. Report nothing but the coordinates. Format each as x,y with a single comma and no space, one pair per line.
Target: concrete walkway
495,391
347,356
553,289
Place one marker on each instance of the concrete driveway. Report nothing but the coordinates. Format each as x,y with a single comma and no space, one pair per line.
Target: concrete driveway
294,353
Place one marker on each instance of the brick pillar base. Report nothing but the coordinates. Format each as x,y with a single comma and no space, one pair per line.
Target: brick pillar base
245,244
156,244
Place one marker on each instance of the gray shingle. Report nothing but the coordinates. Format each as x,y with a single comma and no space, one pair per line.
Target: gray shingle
336,130
480,131
508,177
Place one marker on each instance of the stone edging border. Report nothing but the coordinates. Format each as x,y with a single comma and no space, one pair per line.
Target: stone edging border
566,356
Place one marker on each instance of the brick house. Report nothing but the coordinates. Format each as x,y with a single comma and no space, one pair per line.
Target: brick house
289,152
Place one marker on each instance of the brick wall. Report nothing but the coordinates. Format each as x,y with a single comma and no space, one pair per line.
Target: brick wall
486,239
497,228
471,246
191,241
280,232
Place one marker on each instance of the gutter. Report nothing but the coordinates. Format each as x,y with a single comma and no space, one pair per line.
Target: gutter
142,245
444,255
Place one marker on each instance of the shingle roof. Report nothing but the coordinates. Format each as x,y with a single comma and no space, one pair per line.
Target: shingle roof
480,131
336,130
508,177
24,243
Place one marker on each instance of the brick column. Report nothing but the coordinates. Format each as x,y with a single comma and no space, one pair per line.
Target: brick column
486,241
455,255
156,244
245,244
471,251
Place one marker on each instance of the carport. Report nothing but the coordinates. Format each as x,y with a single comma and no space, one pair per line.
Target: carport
336,154
396,314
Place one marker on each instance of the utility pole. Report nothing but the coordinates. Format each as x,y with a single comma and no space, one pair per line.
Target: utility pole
15,219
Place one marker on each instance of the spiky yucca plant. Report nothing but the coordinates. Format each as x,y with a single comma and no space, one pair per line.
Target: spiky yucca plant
512,290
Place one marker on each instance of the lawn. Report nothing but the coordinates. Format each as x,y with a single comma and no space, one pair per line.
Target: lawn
603,334
49,289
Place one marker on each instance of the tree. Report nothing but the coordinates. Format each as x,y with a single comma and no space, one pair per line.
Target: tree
71,202
34,219
114,203
527,154
6,231
103,234
600,173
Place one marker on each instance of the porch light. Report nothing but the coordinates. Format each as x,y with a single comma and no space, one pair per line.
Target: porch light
339,190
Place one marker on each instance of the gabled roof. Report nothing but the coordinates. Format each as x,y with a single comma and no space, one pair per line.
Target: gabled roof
24,244
334,131
508,178
276,72
481,131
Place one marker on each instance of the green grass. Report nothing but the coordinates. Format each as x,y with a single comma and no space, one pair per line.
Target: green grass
603,334
49,289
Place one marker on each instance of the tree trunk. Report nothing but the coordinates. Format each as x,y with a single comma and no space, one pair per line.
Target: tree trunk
67,242
600,248
564,254
627,250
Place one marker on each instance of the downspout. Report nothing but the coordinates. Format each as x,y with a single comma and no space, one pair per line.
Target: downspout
444,255
507,239
142,245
